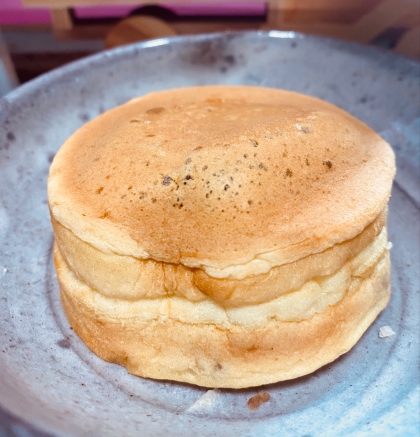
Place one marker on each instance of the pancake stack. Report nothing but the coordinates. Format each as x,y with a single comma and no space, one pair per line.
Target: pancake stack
222,236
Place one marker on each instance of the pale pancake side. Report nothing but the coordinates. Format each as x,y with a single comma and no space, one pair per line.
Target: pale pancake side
234,357
126,277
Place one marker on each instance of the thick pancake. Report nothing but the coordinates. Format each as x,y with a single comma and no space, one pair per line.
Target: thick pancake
216,354
222,236
220,178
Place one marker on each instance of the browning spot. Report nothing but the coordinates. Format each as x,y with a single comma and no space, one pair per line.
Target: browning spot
327,163
255,402
254,142
166,180
226,187
289,173
104,215
99,190
155,110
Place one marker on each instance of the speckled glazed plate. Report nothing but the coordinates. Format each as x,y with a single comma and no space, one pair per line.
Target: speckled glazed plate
51,384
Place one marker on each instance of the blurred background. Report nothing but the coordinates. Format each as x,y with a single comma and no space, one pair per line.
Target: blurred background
39,35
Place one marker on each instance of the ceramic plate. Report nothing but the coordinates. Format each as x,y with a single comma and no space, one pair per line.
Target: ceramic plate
50,384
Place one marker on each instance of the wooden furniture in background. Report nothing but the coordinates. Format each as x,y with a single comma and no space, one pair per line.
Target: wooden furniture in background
357,20
8,77
135,29
409,44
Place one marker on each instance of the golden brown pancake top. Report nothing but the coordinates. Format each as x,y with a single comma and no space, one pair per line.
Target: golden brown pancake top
221,175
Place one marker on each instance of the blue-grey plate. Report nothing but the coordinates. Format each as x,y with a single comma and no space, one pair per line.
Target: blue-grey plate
51,384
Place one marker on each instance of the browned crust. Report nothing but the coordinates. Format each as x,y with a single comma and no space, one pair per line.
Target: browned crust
212,356
219,175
